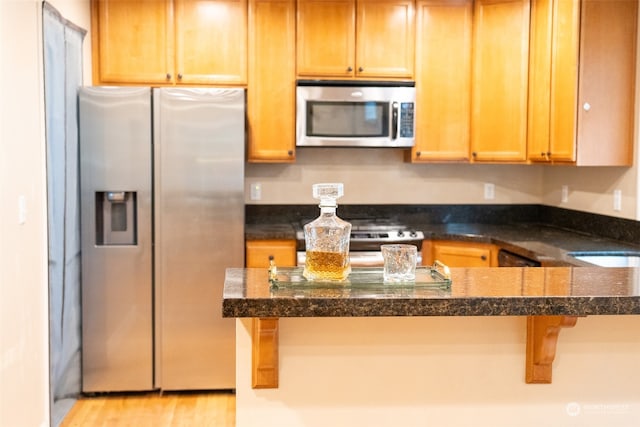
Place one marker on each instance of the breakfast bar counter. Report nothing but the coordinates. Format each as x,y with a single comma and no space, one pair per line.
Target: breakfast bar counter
394,354
504,291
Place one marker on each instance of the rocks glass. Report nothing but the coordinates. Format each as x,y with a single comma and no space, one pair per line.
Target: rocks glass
399,262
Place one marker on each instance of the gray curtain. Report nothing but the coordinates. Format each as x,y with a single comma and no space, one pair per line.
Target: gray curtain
63,76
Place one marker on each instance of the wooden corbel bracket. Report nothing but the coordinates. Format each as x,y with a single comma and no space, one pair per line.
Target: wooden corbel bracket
542,338
264,363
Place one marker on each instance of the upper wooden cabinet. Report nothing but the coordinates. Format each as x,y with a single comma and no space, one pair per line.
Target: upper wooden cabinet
326,38
271,106
132,42
211,41
169,42
443,75
385,38
582,83
499,81
349,38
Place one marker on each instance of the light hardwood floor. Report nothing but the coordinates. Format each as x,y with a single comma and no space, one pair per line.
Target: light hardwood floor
184,409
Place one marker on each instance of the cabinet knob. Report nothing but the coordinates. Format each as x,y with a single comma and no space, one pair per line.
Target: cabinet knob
168,76
179,76
290,152
586,106
483,257
474,154
360,69
349,69
418,153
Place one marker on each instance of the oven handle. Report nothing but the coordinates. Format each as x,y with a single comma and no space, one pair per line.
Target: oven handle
359,258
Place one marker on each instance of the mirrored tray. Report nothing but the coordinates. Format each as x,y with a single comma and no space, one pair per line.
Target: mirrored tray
436,276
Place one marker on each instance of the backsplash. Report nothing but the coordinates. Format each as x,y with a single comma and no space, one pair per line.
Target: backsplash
593,224
381,176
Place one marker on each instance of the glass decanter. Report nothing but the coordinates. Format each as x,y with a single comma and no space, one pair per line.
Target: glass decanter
327,238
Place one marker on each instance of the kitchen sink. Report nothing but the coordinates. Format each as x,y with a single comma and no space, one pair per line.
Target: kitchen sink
609,258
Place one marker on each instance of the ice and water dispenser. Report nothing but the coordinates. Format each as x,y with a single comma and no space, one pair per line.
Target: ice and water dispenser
116,218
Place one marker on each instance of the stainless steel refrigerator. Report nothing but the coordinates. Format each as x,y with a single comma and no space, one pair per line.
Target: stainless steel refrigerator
162,214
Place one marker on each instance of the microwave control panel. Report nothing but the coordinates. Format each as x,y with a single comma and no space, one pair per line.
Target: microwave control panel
406,120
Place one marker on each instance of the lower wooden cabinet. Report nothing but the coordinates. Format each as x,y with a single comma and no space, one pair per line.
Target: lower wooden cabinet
459,254
259,251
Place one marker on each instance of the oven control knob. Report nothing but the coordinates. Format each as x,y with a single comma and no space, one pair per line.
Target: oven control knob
413,234
400,233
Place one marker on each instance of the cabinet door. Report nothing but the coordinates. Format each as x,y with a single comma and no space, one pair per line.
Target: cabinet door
385,38
607,82
500,80
326,38
538,122
211,41
259,251
553,85
271,90
564,84
459,254
132,41
443,72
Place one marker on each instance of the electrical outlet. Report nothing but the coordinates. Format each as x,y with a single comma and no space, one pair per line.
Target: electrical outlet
565,194
489,191
617,200
256,191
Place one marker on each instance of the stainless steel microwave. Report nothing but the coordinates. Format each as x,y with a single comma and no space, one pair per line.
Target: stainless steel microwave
355,113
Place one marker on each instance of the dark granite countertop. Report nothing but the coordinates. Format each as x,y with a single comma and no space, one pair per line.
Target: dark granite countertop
562,286
541,233
506,291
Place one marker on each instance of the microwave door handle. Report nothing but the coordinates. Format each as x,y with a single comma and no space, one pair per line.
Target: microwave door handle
394,120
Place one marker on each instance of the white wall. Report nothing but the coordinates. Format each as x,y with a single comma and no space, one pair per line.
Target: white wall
24,361
441,371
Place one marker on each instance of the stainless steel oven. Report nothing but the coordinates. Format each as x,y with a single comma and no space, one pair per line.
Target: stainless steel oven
355,113
366,238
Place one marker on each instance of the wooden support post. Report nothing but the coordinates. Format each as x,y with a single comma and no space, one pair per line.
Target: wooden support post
264,364
542,338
